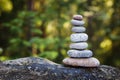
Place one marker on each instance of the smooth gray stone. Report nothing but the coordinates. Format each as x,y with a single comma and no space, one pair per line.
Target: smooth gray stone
78,37
77,22
79,54
81,45
78,29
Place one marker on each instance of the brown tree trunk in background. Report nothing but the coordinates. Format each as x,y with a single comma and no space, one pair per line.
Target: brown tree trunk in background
42,26
43,29
30,7
90,29
59,28
29,23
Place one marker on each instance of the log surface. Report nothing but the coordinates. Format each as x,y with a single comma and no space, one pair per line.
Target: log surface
31,68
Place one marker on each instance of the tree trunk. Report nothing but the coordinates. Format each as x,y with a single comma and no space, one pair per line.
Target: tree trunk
42,69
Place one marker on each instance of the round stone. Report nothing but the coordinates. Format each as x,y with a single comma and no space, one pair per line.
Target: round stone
83,62
77,17
78,29
80,54
78,37
81,45
77,22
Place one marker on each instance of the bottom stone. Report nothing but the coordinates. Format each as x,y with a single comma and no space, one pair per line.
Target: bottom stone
83,62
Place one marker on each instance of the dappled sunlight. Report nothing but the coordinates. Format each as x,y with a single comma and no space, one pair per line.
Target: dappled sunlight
64,16
38,23
37,5
66,25
95,8
3,58
73,8
106,44
50,27
109,3
88,13
63,52
6,5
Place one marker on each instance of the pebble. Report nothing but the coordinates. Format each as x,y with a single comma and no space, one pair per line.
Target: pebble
80,54
78,37
83,62
77,17
78,29
77,22
81,45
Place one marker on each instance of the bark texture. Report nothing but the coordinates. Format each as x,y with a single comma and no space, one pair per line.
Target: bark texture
31,68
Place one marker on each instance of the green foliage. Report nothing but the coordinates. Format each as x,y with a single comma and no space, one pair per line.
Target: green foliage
49,54
1,50
42,28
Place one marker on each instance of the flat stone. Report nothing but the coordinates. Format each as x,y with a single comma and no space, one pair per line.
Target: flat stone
79,54
81,45
83,62
77,22
78,29
78,37
77,17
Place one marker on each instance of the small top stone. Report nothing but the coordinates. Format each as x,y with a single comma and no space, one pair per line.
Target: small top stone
77,17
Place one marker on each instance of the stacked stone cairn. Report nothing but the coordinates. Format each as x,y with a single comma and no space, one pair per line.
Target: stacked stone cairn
78,54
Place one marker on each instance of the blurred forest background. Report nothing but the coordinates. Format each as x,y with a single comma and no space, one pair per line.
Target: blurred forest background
42,28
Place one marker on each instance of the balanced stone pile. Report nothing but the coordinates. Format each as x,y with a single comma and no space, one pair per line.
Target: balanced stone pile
79,55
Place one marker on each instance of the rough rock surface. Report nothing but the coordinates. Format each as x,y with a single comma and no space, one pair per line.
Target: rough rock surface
31,68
